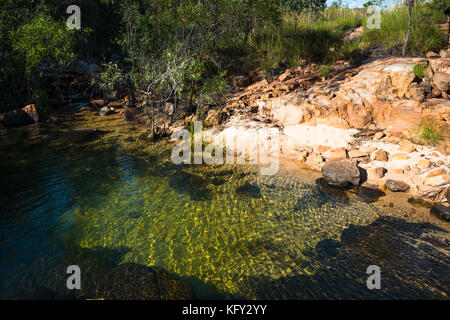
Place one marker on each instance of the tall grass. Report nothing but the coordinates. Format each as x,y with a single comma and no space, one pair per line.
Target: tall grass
318,38
302,37
425,34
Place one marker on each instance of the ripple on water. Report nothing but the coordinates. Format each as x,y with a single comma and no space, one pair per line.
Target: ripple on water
220,227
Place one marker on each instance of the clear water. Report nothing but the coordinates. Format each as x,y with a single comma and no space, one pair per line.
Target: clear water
226,230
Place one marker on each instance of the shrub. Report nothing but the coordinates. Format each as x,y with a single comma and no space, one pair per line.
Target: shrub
430,134
324,71
420,69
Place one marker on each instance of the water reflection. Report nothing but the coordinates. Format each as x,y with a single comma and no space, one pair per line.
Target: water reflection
115,202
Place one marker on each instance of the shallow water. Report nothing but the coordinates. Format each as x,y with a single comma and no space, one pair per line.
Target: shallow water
226,230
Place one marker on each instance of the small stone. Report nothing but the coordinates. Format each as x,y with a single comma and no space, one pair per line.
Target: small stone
397,171
434,154
314,161
337,154
376,173
392,139
397,186
302,156
104,111
436,172
367,149
424,164
407,168
441,211
444,149
432,54
440,162
379,135
399,156
379,155
356,154
407,148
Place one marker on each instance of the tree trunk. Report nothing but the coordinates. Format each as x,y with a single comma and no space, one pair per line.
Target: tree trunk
408,35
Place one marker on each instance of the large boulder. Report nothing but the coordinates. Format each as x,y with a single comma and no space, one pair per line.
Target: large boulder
18,117
342,173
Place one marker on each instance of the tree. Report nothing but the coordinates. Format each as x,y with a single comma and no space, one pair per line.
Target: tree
304,5
372,3
41,40
410,6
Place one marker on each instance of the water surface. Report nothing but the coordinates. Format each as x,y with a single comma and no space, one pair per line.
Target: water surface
115,197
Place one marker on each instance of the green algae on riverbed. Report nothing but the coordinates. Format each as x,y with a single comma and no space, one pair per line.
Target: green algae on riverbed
225,229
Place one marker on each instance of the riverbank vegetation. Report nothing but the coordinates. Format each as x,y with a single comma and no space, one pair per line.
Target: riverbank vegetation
185,51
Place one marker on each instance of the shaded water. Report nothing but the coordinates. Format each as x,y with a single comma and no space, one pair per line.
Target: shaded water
114,197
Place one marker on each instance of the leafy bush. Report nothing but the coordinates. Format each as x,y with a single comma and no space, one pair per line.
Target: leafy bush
42,38
324,71
430,134
420,69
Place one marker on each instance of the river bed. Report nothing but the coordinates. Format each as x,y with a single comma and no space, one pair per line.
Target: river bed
227,231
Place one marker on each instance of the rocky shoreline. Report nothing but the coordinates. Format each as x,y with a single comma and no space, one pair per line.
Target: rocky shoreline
364,118
361,124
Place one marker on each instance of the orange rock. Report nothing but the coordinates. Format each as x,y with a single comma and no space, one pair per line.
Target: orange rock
444,149
323,149
379,155
399,156
408,148
337,154
376,173
424,164
436,172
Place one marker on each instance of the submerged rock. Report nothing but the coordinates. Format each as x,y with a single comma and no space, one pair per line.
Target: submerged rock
342,173
130,281
397,186
441,211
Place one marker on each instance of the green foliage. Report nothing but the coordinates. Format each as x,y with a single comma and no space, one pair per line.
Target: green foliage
324,71
371,3
42,39
300,6
430,134
425,35
420,69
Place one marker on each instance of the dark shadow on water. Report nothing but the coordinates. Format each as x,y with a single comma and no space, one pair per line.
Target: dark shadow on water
409,255
249,190
321,194
370,194
103,277
194,185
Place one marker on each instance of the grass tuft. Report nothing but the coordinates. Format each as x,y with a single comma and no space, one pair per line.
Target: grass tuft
430,134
